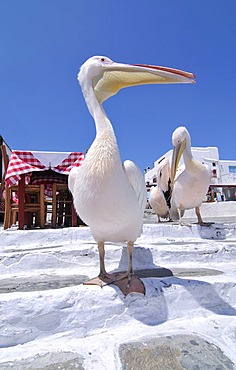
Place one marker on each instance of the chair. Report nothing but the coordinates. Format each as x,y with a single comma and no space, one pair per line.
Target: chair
33,206
59,201
63,212
32,199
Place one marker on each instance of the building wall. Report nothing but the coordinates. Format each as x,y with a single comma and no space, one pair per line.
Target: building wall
223,171
208,156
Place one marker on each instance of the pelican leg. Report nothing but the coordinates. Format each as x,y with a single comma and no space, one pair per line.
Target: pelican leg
130,283
179,214
199,218
198,214
180,219
101,250
169,218
130,247
104,278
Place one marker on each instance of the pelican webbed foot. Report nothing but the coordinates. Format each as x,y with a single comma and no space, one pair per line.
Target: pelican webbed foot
127,285
127,282
105,279
132,284
181,223
207,224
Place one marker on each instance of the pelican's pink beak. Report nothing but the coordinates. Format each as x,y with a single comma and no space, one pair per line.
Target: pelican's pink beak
177,72
116,76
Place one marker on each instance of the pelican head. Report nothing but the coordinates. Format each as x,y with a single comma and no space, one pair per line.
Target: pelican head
108,77
179,139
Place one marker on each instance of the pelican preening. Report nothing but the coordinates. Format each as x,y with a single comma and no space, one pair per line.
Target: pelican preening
191,182
160,194
108,196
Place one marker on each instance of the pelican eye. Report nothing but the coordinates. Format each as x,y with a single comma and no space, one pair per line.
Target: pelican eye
103,59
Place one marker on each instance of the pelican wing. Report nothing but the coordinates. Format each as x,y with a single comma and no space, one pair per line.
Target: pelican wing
158,202
136,180
71,178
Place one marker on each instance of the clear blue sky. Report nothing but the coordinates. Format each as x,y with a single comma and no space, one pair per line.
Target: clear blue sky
44,42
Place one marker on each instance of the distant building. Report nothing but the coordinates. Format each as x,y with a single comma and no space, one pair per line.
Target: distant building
223,179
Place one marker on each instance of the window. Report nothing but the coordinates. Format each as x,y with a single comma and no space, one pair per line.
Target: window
214,173
232,169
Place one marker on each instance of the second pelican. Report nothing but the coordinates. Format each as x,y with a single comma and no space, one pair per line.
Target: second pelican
191,181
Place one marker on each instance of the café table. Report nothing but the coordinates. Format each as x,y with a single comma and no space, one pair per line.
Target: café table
23,164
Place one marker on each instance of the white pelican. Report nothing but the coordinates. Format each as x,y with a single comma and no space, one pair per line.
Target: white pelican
191,181
160,194
108,196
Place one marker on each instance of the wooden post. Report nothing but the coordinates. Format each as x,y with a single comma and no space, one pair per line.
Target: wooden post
21,202
74,215
7,215
54,204
42,207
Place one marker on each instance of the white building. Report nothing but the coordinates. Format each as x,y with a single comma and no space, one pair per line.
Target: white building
223,179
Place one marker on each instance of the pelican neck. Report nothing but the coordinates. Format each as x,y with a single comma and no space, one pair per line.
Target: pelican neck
102,122
187,154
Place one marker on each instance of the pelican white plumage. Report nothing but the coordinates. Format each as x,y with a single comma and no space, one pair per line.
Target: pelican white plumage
191,181
108,196
160,194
